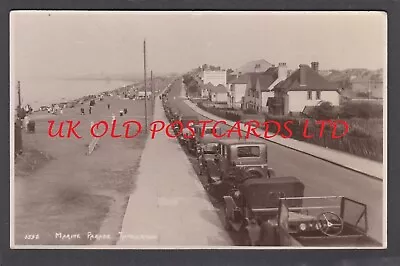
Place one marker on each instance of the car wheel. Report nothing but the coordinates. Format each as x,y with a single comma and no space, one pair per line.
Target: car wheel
245,239
227,223
254,174
271,173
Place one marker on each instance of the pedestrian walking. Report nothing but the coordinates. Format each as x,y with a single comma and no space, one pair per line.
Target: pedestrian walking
61,111
113,118
125,110
121,113
108,106
82,111
90,110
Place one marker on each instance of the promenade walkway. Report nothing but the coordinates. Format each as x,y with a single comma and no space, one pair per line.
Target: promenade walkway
169,207
349,161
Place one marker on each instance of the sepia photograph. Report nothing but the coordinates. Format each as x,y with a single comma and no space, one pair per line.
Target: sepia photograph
198,130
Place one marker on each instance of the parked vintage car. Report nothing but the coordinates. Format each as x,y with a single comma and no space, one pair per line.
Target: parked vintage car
189,141
210,133
279,215
206,153
253,202
236,161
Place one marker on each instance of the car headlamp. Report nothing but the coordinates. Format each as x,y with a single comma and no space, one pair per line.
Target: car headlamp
303,227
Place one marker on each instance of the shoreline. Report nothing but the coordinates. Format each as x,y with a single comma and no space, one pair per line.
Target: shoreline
36,104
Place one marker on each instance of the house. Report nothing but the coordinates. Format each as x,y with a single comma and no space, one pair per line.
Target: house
237,89
205,90
260,85
219,94
304,87
214,77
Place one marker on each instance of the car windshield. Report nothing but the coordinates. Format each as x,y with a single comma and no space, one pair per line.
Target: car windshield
248,151
210,148
208,131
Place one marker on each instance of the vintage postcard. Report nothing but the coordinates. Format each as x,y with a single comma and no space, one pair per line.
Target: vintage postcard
198,130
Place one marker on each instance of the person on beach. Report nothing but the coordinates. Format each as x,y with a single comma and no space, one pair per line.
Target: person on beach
61,111
121,113
26,122
125,110
82,111
90,110
113,118
108,106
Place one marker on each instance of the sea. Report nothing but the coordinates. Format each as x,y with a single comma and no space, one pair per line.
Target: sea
44,91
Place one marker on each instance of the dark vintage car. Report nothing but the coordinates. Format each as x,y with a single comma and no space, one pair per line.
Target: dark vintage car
187,138
255,201
236,161
275,213
207,150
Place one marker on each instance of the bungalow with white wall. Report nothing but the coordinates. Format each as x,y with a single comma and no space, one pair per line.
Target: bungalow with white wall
205,90
304,87
219,94
259,88
237,90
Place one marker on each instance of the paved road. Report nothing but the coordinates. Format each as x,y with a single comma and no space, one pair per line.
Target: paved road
320,177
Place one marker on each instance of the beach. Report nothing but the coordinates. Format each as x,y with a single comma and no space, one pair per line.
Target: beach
62,195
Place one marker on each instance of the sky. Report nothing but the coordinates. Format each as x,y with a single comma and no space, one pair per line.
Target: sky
71,44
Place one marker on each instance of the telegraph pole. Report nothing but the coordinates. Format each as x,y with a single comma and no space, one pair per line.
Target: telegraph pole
19,94
152,91
145,85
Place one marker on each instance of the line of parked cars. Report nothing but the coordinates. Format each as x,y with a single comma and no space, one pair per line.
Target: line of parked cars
266,209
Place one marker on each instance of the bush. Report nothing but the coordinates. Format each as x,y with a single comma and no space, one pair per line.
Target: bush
250,111
324,111
364,110
229,115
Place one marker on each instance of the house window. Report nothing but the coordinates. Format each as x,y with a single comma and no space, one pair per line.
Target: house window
318,95
309,95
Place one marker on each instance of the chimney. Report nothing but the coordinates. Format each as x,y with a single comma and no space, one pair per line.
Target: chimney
282,71
302,70
314,66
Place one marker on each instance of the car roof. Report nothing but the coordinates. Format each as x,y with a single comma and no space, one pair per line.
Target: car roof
209,139
277,180
233,141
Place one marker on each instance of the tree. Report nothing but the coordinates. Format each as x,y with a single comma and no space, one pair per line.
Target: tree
229,71
324,111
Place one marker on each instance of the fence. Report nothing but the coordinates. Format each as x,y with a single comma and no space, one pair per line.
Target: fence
363,145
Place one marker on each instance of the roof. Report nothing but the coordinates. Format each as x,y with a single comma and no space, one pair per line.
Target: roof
219,89
230,78
280,180
313,80
233,141
243,79
266,78
207,86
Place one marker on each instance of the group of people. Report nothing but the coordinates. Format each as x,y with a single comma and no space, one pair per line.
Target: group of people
121,112
83,110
